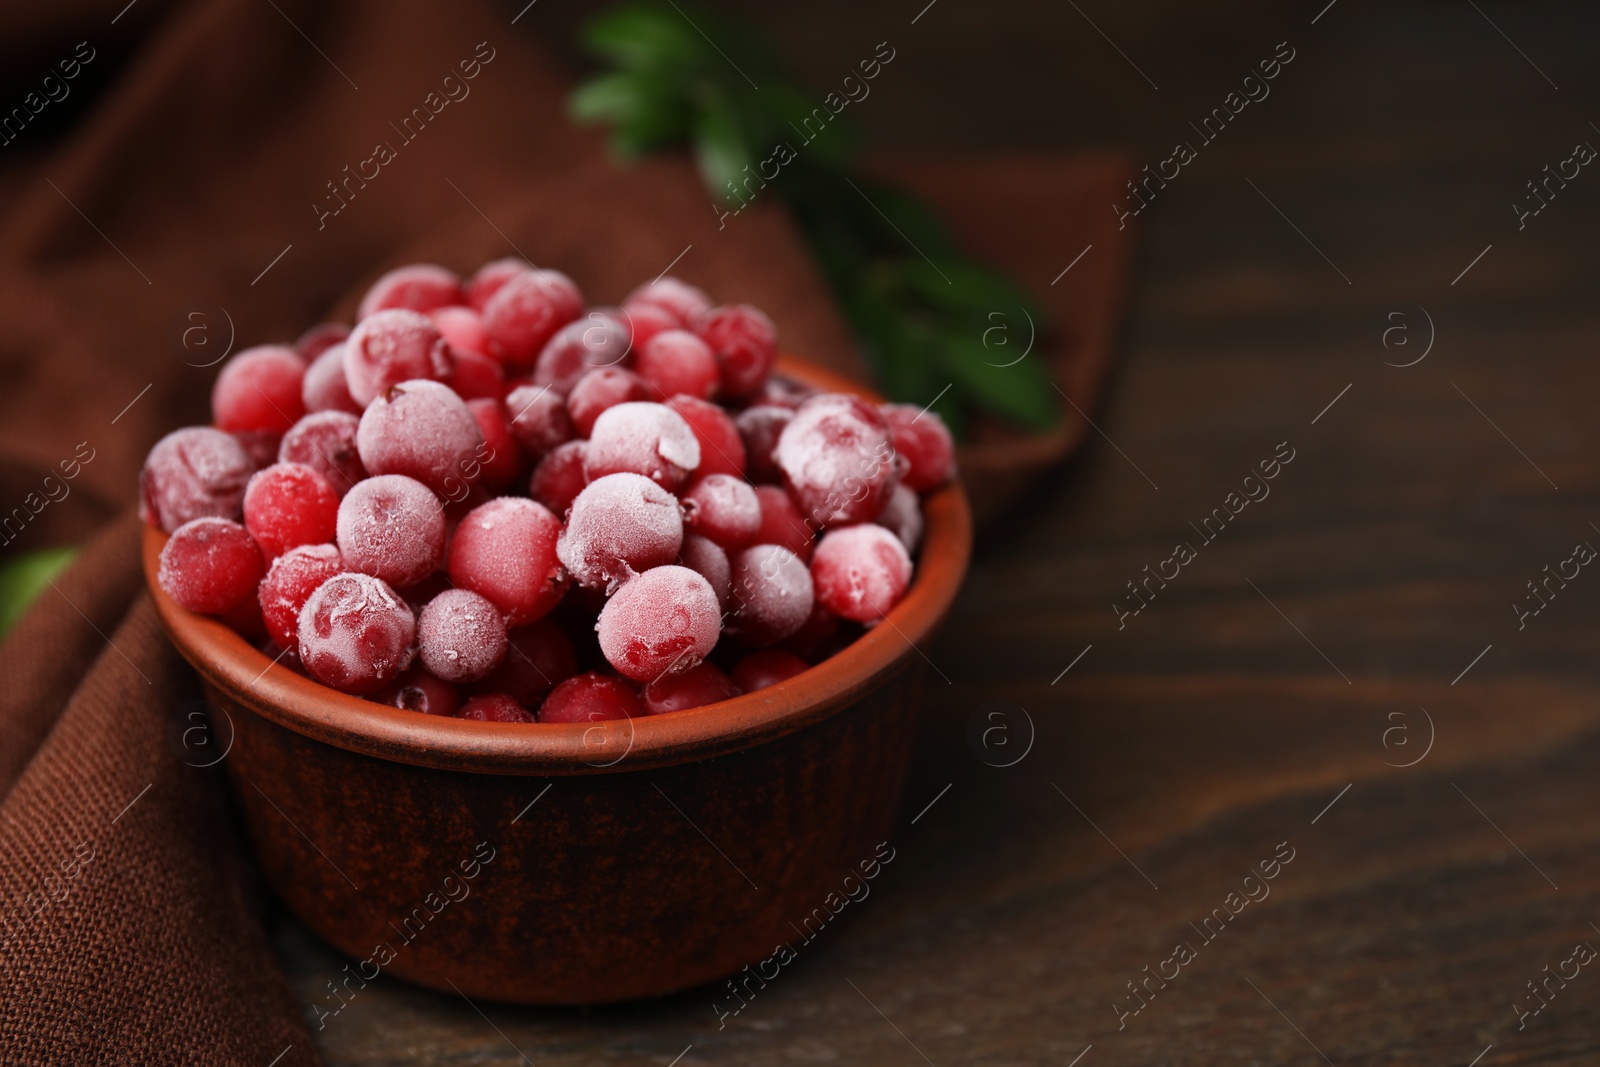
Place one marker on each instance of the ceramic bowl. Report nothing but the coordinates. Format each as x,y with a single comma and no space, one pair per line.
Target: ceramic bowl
573,863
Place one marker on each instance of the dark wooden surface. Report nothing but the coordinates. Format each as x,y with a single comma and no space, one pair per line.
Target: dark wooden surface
1260,683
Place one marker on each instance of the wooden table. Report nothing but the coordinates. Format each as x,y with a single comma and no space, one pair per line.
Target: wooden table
1359,618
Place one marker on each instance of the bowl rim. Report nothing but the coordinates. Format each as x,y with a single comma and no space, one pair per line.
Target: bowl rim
244,675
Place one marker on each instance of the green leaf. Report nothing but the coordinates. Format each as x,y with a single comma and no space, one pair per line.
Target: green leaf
720,149
22,580
645,37
1019,392
968,289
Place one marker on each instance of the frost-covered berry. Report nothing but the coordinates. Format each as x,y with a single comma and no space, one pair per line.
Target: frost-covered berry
559,477
746,346
319,339
423,430
759,428
325,441
460,636
495,707
676,361
721,447
662,621
643,438
356,634
490,277
860,572
211,566
591,697
525,312
837,460
259,390
289,583
922,438
708,559
193,473
417,690
505,550
723,508
599,389
589,343
782,523
687,304
325,387
771,595
390,347
462,328
644,321
696,687
502,459
766,668
416,287
392,527
476,376
619,525
288,505
539,419
902,516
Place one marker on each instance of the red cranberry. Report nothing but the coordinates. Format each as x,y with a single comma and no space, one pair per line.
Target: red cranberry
723,508
782,523
462,328
771,595
721,448
594,341
495,707
709,560
461,636
676,361
502,459
211,566
902,516
417,690
620,524
289,583
642,438
746,344
390,347
319,339
288,505
418,287
506,551
644,321
819,636
325,386
784,392
477,376
837,460
924,440
193,473
259,389
526,311
664,620
760,670
325,441
559,478
538,658
686,303
538,419
423,430
392,527
591,697
599,389
356,634
860,572
693,688
491,276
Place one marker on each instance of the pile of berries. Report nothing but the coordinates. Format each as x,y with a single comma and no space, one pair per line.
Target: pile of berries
487,501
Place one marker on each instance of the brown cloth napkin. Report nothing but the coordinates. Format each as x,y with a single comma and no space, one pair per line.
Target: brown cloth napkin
167,185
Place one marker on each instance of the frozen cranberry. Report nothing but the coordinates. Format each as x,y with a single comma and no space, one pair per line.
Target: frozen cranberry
539,419
819,636
390,347
860,572
924,440
902,516
644,321
708,559
538,658
495,707
721,448
597,340
418,287
417,690
325,387
684,302
491,276
319,339
244,619
462,328
288,505
782,523
193,473
259,389
771,594
676,361
392,527
460,636
526,311
759,428
506,551
423,430
260,445
289,583
356,634
559,477
502,460
664,620
837,460
600,389
325,441
759,670
746,345
476,376
619,524
696,687
784,392
642,438
210,566
723,508
591,697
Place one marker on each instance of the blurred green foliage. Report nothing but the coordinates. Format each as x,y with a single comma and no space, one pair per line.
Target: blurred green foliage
24,577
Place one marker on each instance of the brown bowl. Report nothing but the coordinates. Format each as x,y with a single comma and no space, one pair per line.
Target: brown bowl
574,863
